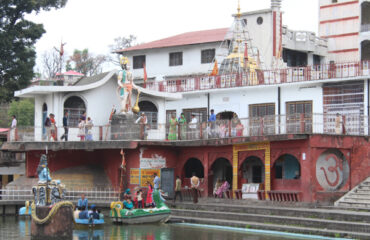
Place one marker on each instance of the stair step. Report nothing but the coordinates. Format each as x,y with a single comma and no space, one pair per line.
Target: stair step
286,220
275,227
357,199
354,204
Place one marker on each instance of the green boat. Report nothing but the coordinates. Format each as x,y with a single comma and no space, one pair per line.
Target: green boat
159,214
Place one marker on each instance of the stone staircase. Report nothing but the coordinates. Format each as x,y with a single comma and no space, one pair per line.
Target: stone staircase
296,218
358,197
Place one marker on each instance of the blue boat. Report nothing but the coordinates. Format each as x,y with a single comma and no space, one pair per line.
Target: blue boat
87,223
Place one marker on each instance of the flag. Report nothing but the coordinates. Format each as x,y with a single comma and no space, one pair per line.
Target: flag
215,69
145,75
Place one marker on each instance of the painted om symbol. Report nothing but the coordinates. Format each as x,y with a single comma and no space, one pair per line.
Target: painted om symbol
333,169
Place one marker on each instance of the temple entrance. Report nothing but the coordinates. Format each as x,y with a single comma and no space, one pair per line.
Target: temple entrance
253,170
151,113
221,169
193,165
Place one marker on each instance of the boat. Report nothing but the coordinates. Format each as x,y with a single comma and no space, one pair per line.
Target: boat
87,223
159,214
26,210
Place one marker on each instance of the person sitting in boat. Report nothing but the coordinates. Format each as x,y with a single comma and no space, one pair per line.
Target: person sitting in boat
139,196
127,203
83,202
84,214
93,213
127,194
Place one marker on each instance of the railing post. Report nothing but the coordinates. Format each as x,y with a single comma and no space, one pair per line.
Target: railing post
229,128
344,124
16,134
101,133
302,125
201,131
261,126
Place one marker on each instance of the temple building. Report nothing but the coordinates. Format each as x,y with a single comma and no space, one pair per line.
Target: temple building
292,116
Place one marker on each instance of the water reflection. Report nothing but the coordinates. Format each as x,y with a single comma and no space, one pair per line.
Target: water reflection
12,228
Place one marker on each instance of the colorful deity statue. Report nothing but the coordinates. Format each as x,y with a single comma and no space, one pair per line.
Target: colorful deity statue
125,85
43,170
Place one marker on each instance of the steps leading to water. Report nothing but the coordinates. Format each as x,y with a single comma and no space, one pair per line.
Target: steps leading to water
357,197
299,219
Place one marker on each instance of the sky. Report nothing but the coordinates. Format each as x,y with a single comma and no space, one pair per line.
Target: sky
94,24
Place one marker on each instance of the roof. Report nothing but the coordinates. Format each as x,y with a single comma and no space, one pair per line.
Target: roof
92,79
71,73
197,37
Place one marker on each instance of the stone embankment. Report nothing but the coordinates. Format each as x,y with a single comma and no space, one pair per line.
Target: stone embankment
291,217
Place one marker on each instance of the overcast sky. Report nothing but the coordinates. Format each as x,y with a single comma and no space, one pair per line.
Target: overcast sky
94,24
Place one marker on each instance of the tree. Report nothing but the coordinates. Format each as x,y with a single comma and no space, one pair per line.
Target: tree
86,63
17,39
24,110
52,63
119,44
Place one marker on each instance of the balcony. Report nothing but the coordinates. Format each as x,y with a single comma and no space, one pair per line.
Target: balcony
273,125
265,77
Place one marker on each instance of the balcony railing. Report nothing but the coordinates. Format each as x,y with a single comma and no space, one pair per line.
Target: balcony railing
264,77
349,124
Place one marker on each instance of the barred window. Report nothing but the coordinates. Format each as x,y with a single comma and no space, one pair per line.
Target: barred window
75,107
208,55
138,61
176,59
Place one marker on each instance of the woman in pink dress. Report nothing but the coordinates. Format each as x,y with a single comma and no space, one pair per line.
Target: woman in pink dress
149,196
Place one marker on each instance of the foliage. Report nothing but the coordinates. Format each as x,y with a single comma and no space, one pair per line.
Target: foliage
119,44
52,63
4,118
24,110
86,63
17,39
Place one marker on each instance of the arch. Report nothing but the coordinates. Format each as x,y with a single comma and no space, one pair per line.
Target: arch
151,112
252,170
287,167
193,165
220,169
75,106
226,115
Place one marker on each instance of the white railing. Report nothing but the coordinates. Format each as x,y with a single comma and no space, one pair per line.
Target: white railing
347,124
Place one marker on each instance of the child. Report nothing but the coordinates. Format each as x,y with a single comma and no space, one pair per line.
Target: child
139,199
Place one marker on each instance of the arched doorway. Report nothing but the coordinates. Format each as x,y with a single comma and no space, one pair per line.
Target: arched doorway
44,116
151,113
287,167
193,165
252,170
220,169
75,107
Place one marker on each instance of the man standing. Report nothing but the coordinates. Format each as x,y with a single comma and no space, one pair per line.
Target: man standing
212,123
143,121
82,202
178,189
194,186
65,126
193,126
156,181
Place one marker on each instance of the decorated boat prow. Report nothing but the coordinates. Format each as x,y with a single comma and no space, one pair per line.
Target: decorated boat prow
26,210
159,214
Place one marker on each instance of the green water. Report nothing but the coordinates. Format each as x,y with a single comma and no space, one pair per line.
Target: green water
20,228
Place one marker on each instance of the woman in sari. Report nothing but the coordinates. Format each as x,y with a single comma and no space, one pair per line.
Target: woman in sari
149,196
182,122
221,190
172,135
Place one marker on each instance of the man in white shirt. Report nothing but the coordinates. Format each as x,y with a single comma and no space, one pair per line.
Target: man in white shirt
193,125
13,128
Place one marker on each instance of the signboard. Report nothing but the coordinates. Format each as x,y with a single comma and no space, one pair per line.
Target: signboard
135,176
249,190
147,176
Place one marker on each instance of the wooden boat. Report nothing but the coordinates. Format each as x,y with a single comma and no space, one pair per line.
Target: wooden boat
159,214
26,210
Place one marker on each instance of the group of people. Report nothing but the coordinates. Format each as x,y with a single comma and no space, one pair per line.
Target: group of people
85,125
194,185
180,129
83,211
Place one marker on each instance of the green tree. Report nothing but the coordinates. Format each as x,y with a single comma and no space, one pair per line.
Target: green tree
17,39
24,110
85,63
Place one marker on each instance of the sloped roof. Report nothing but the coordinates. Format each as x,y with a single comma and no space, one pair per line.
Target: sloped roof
197,37
89,80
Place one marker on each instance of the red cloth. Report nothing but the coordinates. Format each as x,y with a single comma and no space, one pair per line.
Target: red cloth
149,199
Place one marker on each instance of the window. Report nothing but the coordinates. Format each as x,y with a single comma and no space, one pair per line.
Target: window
208,55
139,61
75,107
334,1
259,20
295,111
176,59
287,167
200,114
265,111
151,113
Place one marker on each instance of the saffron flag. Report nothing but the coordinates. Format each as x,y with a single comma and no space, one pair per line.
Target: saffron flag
145,75
215,69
